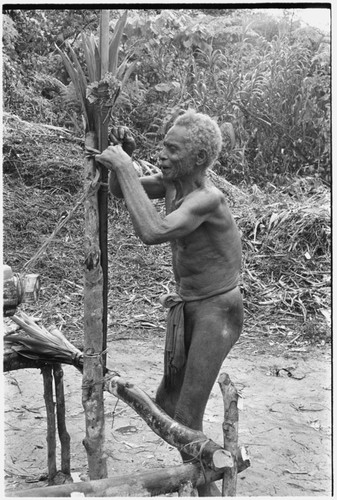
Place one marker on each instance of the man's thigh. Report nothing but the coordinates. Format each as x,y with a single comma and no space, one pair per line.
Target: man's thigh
212,326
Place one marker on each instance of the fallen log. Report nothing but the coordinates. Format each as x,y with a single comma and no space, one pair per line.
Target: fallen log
148,483
192,442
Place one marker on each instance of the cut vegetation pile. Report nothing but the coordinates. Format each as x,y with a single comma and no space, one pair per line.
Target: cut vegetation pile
287,249
285,234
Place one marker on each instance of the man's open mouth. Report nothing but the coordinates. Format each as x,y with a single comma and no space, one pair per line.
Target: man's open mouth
165,169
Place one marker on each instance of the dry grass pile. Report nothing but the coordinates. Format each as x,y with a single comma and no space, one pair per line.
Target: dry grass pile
287,254
286,242
42,156
30,216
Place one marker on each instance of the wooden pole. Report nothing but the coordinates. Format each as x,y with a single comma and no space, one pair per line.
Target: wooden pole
14,361
61,420
230,432
192,442
96,282
50,409
92,390
154,483
102,129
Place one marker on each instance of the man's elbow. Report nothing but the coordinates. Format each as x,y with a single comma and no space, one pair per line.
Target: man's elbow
150,238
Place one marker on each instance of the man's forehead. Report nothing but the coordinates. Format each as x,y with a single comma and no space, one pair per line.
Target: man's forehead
177,133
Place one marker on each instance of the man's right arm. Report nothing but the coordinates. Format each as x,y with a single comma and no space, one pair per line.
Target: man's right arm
152,184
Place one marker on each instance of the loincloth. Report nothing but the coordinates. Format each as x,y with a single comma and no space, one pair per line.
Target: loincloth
175,352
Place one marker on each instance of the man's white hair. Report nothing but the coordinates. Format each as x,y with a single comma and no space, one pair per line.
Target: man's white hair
204,133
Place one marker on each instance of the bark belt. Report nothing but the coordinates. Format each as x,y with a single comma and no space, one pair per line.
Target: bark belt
175,354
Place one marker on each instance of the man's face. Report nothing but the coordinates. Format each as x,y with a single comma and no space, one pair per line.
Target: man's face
176,159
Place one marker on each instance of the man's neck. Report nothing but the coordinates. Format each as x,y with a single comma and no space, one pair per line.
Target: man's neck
185,185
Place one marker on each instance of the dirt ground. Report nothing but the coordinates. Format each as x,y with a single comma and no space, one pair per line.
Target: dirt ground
285,420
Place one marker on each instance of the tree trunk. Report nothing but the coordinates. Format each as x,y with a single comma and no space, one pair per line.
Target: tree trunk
92,392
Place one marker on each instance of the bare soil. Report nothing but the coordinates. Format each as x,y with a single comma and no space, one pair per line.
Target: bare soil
281,365
285,410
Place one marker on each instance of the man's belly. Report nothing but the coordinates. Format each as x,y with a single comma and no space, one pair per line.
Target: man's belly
206,278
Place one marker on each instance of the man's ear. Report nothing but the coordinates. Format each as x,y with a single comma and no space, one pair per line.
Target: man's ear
201,157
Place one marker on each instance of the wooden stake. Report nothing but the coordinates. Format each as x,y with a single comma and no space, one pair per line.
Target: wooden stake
50,408
230,433
92,392
61,420
102,130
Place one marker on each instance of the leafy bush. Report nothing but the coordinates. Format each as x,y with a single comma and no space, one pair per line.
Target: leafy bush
269,78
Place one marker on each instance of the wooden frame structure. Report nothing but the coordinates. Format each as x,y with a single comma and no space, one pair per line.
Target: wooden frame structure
212,462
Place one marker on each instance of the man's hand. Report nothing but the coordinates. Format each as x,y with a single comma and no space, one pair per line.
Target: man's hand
122,136
114,158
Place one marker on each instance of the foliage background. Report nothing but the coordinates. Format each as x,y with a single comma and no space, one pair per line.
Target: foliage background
269,78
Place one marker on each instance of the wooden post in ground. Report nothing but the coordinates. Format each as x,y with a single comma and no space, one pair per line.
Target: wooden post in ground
96,278
61,421
92,385
230,433
102,131
47,374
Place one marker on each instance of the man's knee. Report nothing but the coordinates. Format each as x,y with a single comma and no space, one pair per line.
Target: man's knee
189,411
165,400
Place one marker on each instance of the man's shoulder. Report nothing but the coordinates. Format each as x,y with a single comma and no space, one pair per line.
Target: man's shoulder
204,199
211,194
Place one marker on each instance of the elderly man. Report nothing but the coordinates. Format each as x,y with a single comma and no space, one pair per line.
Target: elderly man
206,312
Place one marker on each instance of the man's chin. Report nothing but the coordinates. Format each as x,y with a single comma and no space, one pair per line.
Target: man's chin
167,173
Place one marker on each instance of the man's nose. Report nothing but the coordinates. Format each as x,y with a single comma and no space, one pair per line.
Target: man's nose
162,156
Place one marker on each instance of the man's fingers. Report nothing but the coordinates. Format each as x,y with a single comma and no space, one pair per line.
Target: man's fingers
109,153
118,134
121,133
113,136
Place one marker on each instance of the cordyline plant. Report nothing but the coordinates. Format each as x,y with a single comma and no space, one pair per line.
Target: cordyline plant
98,92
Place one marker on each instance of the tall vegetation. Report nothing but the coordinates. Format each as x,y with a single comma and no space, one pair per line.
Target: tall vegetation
269,78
